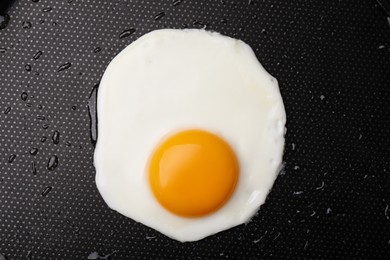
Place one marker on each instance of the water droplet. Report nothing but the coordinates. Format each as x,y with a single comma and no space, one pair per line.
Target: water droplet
37,55
93,113
3,50
54,23
97,49
35,1
4,21
26,25
45,126
126,33
43,139
41,21
27,67
11,158
74,107
240,29
34,168
7,110
52,163
64,66
40,106
41,117
3,257
46,191
223,20
28,104
96,256
177,2
33,151
67,143
93,256
56,137
159,16
24,96
47,9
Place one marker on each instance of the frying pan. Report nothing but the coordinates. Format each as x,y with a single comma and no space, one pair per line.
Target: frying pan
332,61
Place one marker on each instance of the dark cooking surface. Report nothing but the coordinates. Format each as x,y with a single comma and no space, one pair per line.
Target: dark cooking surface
332,60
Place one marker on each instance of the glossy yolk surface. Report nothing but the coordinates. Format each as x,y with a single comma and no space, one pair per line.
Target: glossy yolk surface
193,173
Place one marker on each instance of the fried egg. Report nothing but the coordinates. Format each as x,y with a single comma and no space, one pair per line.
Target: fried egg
191,133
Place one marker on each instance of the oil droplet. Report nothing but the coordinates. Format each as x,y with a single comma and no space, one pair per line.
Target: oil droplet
93,113
4,21
24,96
11,158
177,2
40,106
52,163
27,67
159,16
26,25
35,1
76,229
64,66
46,191
45,126
74,107
40,117
97,49
47,9
33,151
54,23
7,110
223,20
41,21
28,104
56,137
3,50
200,23
43,139
126,33
34,168
67,143
37,55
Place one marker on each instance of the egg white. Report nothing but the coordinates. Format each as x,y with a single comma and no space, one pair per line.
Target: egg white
170,80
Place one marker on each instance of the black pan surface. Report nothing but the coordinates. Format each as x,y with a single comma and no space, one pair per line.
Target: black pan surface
332,61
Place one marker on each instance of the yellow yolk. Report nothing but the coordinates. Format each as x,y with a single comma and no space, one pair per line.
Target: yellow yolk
193,173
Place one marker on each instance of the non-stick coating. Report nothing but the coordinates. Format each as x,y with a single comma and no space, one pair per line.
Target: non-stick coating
332,60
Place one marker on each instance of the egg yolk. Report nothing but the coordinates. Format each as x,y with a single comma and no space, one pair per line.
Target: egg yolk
193,173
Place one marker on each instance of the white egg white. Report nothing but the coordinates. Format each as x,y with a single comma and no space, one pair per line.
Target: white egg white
170,80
